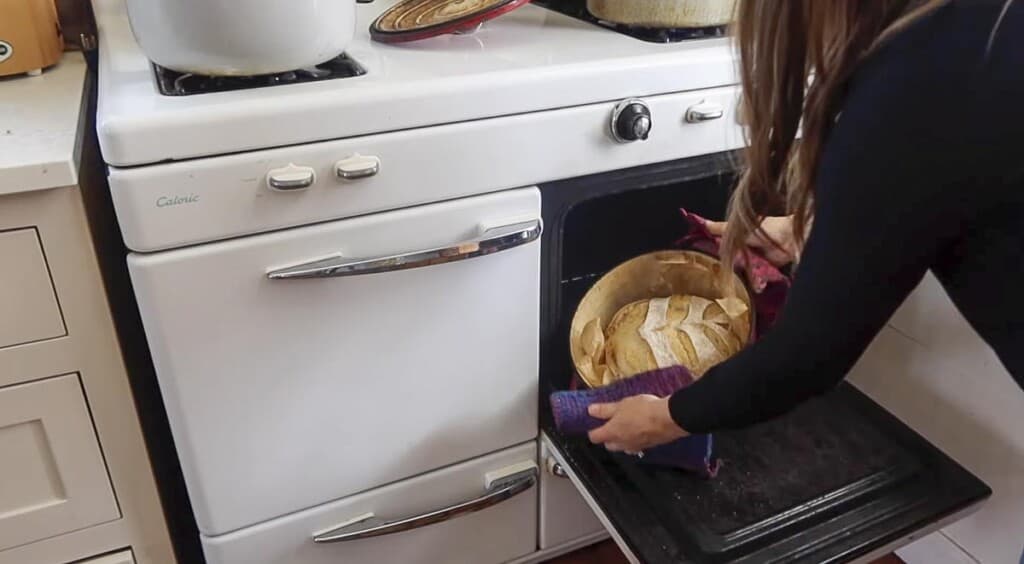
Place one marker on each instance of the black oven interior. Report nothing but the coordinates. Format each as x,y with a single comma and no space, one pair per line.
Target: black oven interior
835,479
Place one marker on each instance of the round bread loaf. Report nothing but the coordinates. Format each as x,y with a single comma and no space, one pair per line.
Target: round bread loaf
679,330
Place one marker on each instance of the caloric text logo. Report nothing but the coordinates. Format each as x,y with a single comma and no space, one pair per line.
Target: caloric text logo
169,201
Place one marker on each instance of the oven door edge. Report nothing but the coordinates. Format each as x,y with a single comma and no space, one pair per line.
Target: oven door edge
553,451
920,533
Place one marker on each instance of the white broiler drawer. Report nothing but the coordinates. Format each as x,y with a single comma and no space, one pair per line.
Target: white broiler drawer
450,516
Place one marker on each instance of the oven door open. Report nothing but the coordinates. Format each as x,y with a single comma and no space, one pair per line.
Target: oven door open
837,480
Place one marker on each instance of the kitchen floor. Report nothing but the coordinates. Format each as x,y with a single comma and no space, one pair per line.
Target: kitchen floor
607,553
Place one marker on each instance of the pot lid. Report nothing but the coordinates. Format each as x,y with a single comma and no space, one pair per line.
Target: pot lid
411,20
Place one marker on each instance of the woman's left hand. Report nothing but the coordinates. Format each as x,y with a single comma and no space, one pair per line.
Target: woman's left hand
634,424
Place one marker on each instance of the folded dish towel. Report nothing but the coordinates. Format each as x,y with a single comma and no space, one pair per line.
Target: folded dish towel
694,453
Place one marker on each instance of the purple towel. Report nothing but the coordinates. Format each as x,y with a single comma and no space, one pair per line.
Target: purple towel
769,285
692,453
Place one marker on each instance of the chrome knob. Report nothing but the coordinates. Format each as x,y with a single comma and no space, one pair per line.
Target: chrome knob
554,468
290,178
357,166
631,121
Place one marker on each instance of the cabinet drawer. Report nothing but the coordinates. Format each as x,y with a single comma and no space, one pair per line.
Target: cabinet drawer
123,557
54,478
497,532
28,304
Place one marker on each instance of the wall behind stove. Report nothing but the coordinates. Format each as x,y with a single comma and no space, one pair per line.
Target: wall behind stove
934,372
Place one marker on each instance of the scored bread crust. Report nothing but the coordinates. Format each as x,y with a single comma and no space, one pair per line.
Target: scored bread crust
692,331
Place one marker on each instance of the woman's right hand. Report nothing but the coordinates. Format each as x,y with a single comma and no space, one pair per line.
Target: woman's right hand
779,247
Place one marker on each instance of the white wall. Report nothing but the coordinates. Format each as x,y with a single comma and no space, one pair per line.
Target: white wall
933,371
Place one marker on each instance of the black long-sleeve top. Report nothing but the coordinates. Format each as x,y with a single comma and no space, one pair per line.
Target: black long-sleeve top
923,170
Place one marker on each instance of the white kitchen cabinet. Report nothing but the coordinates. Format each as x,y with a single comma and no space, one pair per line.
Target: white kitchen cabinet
54,480
28,306
75,477
123,557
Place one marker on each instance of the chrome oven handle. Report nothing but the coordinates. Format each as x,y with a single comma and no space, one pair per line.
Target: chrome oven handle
491,241
704,111
499,491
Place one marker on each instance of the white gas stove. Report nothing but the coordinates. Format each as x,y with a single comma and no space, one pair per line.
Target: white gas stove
340,280
303,408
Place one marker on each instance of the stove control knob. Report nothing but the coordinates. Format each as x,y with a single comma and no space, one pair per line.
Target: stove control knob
631,121
357,166
291,178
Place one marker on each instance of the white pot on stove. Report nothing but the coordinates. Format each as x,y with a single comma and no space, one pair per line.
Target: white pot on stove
241,37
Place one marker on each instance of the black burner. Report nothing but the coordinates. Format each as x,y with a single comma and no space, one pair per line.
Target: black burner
174,83
578,9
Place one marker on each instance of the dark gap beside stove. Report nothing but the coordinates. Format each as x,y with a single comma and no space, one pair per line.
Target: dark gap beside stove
831,481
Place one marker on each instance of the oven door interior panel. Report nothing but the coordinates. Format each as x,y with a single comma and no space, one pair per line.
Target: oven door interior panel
836,480
286,393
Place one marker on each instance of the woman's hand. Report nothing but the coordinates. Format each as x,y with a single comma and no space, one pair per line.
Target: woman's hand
779,247
634,424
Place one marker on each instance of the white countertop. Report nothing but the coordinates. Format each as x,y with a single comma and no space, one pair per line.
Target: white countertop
39,118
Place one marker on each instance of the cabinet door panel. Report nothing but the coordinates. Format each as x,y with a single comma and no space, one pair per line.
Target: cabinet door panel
54,477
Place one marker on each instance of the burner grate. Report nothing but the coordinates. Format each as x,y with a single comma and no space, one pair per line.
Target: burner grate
578,9
174,83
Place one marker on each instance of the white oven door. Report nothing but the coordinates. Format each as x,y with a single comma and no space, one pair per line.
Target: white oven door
306,365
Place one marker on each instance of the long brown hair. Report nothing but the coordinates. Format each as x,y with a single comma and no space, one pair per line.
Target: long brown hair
796,57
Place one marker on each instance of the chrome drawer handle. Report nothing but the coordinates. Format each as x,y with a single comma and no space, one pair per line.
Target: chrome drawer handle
499,491
704,111
492,241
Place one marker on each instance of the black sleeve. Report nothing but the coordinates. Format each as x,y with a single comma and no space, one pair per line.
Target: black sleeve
890,197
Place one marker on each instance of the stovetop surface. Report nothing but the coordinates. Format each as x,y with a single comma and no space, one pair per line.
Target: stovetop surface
174,83
531,59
